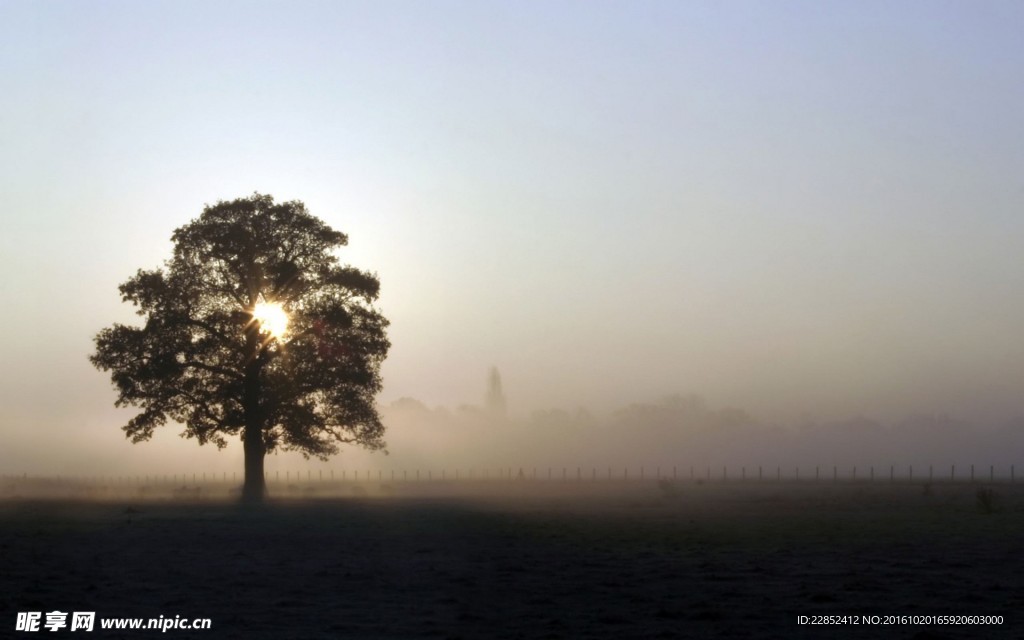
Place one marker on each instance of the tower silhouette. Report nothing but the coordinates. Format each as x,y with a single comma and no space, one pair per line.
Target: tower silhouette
495,400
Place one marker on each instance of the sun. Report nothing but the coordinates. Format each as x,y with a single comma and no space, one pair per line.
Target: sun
272,318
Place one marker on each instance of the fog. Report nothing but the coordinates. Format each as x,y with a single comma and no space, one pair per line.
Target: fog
687,435
680,435
687,234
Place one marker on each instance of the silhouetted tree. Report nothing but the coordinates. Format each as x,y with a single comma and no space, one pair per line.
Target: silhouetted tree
213,352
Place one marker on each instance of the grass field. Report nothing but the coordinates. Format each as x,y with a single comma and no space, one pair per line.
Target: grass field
528,560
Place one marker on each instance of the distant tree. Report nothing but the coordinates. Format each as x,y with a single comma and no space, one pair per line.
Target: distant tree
411,405
252,328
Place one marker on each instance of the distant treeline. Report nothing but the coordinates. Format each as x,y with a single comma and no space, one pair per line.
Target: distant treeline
684,430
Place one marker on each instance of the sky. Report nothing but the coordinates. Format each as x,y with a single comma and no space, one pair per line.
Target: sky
808,210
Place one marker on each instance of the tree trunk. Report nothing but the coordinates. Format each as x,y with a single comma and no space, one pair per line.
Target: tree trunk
255,487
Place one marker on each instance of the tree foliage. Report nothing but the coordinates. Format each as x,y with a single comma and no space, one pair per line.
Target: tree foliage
202,360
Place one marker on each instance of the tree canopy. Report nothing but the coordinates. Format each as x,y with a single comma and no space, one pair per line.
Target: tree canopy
213,352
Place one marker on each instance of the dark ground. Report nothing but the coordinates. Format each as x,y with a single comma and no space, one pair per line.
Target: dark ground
643,560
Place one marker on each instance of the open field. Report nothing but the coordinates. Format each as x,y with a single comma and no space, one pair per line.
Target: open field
527,559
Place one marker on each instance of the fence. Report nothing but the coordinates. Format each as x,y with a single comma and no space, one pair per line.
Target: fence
705,473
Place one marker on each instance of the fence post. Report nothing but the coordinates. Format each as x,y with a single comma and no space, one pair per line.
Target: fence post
816,475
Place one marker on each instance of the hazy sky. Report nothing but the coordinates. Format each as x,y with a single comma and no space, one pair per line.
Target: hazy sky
798,208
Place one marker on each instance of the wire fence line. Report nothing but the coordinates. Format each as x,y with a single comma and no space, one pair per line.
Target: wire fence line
696,473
